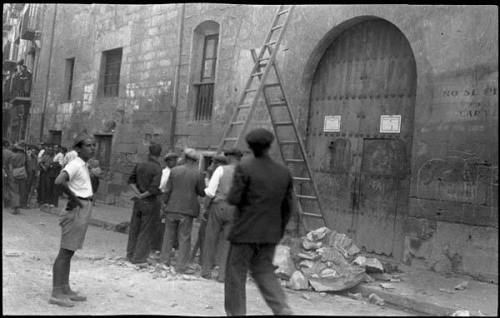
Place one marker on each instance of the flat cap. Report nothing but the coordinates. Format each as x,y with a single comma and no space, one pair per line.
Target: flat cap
233,152
260,136
80,137
220,159
171,155
191,153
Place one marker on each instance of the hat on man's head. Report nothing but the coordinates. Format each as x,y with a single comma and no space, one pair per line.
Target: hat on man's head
191,154
171,155
80,137
260,136
220,159
233,152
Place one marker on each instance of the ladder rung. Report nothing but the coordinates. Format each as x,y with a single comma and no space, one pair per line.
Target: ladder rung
251,90
283,123
307,197
312,214
277,27
230,139
257,74
288,142
244,106
273,85
283,12
301,179
294,160
238,122
271,43
277,104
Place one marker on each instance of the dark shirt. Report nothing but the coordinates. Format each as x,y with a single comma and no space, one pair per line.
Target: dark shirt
146,176
262,191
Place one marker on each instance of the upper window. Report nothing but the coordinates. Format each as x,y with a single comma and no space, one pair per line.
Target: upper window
209,58
70,67
110,72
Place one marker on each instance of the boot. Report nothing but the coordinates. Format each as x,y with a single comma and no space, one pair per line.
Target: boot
72,294
58,298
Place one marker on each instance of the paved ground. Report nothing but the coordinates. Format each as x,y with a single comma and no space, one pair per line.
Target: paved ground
30,243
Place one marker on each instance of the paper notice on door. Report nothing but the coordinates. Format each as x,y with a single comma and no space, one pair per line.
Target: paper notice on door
390,124
332,124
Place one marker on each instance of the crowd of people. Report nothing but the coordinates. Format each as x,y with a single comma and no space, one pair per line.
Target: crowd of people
29,173
243,204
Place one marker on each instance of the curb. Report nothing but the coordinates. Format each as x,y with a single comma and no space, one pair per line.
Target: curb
95,222
405,301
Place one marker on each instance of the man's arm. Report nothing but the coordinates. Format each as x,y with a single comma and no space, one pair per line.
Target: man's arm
211,189
62,180
238,188
132,182
154,186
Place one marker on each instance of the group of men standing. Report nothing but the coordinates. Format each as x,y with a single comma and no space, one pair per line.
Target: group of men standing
249,199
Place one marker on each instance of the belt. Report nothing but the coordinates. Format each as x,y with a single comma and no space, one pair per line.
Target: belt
88,199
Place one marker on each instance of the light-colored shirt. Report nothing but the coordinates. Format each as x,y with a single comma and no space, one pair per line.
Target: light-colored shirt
79,178
70,155
165,173
40,154
59,158
214,182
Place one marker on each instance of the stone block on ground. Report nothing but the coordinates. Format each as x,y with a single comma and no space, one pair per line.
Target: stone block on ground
331,254
318,234
343,282
298,281
375,299
310,255
283,261
309,245
373,265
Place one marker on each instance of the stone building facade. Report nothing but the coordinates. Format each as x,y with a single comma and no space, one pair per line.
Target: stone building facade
412,171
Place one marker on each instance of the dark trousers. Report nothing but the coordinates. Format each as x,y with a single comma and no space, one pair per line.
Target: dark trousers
220,218
258,258
199,244
145,214
180,226
158,232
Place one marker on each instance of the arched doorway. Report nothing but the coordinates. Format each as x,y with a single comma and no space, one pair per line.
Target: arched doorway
363,173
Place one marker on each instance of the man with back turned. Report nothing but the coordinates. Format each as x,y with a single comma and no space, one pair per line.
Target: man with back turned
262,193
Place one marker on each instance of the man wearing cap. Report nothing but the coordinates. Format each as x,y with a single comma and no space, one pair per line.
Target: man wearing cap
184,185
145,183
74,180
170,162
262,192
220,215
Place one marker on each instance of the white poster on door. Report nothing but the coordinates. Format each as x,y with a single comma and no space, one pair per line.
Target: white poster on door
332,124
390,124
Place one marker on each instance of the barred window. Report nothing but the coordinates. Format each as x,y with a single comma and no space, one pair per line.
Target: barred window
110,72
205,89
70,66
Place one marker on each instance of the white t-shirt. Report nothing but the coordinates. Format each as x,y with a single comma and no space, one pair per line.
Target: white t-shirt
211,189
70,155
59,158
164,178
79,178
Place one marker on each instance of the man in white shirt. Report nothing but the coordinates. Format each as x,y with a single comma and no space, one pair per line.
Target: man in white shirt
59,157
220,215
170,162
74,180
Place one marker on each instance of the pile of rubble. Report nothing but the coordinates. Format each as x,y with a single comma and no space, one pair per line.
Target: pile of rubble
325,261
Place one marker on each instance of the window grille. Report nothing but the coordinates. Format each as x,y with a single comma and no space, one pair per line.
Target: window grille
112,60
205,89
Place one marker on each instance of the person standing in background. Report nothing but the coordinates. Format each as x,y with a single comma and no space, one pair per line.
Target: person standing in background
145,183
19,179
184,185
170,162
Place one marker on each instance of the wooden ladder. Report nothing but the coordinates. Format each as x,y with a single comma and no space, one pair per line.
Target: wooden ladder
287,136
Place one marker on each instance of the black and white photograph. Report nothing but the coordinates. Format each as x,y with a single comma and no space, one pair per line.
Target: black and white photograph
232,159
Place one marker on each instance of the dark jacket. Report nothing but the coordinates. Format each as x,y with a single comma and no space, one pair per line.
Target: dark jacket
262,191
146,176
184,185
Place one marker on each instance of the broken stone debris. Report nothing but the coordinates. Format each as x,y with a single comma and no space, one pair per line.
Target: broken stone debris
462,285
324,261
461,313
357,296
375,299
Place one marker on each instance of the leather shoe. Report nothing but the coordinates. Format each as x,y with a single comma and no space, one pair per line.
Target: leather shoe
76,297
61,301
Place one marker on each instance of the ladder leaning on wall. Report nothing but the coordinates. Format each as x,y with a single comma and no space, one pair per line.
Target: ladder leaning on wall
290,145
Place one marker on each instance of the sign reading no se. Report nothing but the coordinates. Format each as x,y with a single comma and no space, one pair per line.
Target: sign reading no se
332,124
390,124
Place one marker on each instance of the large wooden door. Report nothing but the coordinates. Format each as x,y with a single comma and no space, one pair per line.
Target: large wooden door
362,173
